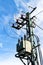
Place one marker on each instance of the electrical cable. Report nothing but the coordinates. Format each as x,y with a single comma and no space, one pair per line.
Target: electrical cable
17,34
38,13
36,37
22,31
40,54
38,26
14,31
8,34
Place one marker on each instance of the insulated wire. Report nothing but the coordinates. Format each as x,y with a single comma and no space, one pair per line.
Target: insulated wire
40,54
38,13
17,34
38,26
14,31
8,34
22,31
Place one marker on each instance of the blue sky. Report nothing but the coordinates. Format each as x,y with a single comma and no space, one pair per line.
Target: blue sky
8,37
7,44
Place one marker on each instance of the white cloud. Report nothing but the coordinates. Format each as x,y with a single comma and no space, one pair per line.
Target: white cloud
39,22
39,4
22,4
39,8
11,61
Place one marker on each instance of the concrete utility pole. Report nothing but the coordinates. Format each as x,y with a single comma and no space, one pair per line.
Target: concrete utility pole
27,46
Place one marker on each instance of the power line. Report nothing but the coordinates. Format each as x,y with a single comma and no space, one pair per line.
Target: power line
8,34
38,26
38,13
22,31
16,32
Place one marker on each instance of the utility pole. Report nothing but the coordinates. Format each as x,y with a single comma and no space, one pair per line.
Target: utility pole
27,47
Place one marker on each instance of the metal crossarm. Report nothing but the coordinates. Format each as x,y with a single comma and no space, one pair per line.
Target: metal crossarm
33,10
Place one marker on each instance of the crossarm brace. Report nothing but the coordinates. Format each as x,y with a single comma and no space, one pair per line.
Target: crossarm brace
22,61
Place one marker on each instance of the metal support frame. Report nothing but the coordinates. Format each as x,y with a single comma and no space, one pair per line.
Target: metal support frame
30,37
